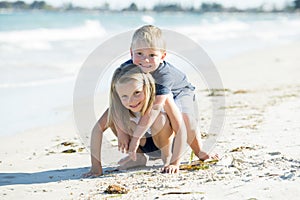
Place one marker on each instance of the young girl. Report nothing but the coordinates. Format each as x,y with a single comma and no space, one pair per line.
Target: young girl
132,93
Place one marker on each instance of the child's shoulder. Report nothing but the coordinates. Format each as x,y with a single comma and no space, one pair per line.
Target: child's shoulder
167,66
128,62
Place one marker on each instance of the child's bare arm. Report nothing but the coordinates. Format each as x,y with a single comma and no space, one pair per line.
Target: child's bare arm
96,142
145,123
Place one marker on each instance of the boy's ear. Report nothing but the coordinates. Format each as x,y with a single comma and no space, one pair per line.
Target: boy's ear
163,56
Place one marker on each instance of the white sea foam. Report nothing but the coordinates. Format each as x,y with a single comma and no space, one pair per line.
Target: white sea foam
217,30
35,83
214,31
148,19
41,38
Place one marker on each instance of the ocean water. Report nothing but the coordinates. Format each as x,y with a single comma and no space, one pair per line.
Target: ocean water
41,53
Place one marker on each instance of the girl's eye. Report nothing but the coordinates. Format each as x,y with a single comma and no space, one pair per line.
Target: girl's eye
137,93
124,98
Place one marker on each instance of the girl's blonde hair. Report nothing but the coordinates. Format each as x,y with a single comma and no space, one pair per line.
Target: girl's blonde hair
148,36
118,115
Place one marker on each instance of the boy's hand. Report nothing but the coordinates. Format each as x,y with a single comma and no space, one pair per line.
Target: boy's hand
170,169
123,141
133,146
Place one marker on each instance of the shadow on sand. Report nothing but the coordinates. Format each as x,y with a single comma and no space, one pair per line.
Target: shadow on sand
44,176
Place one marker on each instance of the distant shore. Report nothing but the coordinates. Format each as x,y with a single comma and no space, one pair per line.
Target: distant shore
161,7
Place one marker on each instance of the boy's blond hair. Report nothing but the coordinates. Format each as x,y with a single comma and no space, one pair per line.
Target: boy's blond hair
148,36
118,114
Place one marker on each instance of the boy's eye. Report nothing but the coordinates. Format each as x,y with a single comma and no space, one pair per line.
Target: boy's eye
139,53
152,55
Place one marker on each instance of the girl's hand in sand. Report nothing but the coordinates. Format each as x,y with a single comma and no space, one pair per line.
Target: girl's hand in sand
123,141
133,146
170,169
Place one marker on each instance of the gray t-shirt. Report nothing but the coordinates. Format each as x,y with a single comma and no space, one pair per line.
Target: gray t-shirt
168,79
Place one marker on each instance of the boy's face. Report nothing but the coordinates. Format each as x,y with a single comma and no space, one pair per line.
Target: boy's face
148,59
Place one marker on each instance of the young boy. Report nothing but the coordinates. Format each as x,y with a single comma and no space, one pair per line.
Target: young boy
148,52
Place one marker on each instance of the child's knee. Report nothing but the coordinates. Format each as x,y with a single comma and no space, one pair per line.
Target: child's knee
159,123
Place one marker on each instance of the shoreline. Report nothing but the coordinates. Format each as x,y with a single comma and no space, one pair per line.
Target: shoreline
258,145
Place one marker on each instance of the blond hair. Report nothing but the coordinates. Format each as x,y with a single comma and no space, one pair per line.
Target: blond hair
148,36
118,114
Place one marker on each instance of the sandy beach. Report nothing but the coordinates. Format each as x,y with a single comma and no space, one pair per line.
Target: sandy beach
259,145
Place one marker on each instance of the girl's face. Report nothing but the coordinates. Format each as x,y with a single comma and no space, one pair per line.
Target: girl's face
131,95
148,59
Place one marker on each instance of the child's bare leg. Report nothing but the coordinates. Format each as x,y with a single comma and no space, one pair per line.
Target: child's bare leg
166,150
127,162
194,139
163,137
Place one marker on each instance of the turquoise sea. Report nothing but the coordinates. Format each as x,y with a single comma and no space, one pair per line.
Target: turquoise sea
42,52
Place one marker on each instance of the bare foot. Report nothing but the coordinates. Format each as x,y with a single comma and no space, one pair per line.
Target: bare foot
92,174
127,162
204,156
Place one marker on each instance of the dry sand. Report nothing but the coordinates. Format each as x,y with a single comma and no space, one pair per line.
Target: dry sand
259,145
